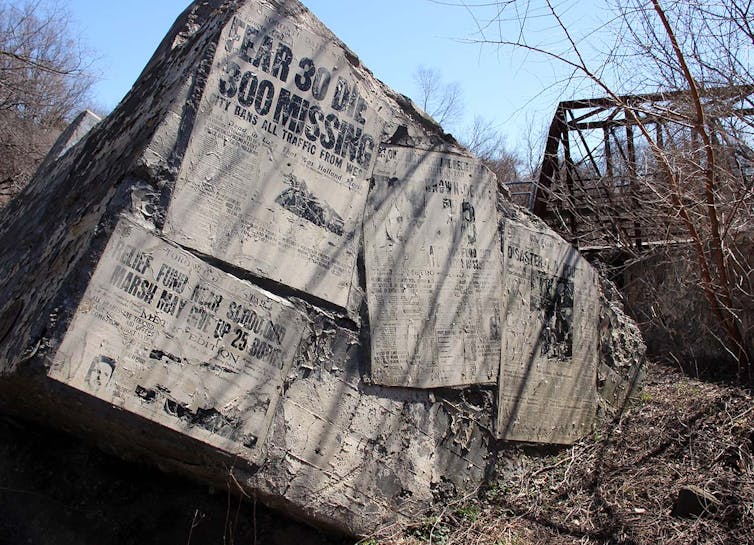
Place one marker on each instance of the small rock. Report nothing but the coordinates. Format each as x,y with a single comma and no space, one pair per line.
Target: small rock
694,502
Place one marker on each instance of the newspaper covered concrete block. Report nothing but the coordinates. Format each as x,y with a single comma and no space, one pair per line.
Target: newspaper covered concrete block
268,271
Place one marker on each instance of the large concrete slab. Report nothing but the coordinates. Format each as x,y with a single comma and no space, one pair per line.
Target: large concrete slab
191,287
276,172
433,270
551,306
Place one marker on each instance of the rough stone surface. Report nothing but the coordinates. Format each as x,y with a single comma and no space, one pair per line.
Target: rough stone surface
265,267
75,131
675,316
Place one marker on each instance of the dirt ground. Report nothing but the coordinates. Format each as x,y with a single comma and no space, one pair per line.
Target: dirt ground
618,486
56,490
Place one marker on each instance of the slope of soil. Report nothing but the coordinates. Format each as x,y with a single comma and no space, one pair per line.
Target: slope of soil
620,486
56,490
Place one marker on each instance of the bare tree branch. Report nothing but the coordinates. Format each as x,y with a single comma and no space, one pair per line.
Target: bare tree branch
443,101
684,164
44,82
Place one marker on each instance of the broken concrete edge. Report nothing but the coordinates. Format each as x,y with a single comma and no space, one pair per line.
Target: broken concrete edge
622,354
73,133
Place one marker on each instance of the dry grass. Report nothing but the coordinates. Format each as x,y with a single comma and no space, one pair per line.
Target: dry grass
619,486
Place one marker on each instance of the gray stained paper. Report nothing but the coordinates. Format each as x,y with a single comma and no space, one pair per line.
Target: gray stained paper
276,172
433,270
166,336
547,389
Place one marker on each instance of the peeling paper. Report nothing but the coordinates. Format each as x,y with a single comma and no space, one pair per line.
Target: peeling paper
168,337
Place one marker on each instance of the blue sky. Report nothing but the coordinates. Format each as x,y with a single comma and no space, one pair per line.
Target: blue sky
392,38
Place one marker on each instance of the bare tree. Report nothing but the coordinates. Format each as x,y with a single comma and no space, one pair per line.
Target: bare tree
484,140
488,143
688,173
44,80
443,101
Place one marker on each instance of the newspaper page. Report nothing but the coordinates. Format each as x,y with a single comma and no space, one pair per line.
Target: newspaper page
547,387
433,270
275,176
168,337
